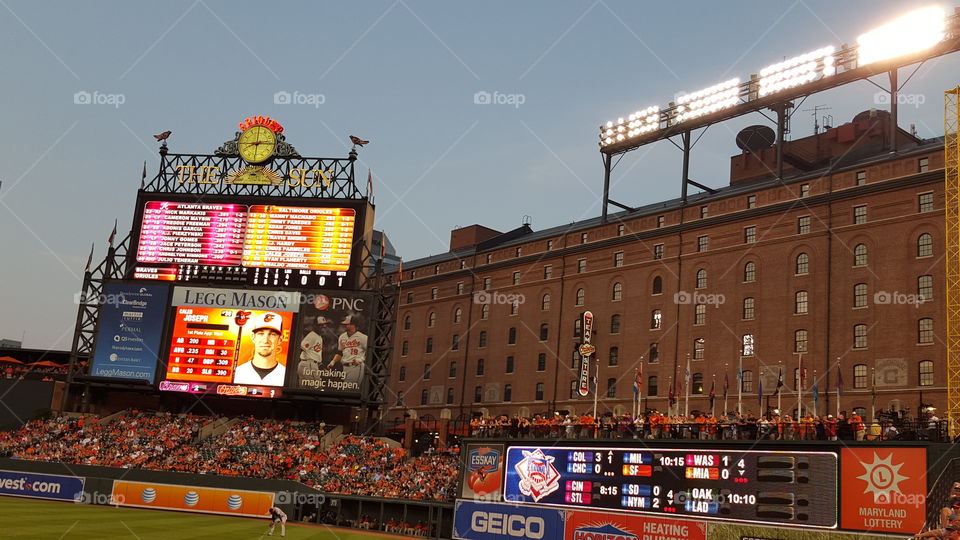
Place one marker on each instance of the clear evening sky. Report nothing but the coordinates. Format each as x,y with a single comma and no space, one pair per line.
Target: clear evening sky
402,74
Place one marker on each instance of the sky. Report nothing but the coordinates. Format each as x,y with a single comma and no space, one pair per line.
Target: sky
410,76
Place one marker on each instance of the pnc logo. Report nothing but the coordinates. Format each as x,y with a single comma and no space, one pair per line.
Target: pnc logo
321,302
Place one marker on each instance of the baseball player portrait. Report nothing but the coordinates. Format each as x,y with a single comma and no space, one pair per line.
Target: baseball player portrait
312,349
265,367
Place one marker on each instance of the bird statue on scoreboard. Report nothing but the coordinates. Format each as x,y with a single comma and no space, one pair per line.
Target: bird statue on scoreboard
163,136
357,141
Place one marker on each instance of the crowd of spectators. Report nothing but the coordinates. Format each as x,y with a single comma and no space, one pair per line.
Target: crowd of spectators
655,425
25,371
129,441
281,450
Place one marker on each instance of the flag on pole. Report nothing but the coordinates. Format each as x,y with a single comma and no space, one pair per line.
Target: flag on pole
143,178
672,396
816,393
113,233
686,373
726,384
369,184
760,393
713,392
637,380
400,273
89,259
779,382
839,380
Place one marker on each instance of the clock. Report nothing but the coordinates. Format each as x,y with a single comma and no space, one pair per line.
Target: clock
257,143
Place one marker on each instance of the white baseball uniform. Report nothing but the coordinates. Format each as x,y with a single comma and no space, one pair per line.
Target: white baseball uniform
353,353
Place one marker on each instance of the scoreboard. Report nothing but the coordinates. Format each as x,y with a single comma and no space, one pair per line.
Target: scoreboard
220,240
742,485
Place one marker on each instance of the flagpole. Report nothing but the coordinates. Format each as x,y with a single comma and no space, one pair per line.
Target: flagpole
873,399
713,397
740,387
726,374
800,386
816,395
780,391
686,389
839,384
596,388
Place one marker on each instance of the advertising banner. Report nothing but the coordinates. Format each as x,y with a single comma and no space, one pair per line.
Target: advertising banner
582,525
718,531
41,486
129,335
192,499
334,342
483,475
494,521
883,489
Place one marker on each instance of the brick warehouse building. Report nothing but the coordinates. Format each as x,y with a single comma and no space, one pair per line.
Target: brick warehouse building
841,261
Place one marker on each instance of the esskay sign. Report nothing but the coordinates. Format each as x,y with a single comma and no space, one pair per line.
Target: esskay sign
883,489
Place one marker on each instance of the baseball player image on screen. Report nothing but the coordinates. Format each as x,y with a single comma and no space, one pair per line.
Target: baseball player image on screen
352,353
313,347
265,367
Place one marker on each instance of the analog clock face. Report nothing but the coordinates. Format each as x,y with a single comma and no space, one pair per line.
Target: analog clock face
257,144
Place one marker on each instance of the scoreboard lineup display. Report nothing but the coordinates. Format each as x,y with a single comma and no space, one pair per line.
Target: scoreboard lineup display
742,485
251,244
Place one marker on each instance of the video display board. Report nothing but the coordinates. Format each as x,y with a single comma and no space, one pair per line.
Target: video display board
129,333
229,342
335,339
747,486
237,240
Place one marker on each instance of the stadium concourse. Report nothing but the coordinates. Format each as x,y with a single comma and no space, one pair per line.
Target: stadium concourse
270,449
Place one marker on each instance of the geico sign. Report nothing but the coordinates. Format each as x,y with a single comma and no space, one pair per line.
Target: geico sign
508,524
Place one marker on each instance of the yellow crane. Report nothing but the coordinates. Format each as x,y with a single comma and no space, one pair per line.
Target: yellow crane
951,166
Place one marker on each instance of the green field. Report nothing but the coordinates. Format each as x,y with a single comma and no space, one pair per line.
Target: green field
33,518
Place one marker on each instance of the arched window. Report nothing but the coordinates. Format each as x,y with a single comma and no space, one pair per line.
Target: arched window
925,245
748,309
614,356
803,264
657,285
544,331
699,314
457,315
749,272
432,319
800,341
580,297
617,292
701,279
800,305
406,323
405,348
860,336
652,385
860,295
696,385
925,331
611,387
656,319
926,372
699,347
860,376
545,302
860,255
512,336
482,340
485,311
615,324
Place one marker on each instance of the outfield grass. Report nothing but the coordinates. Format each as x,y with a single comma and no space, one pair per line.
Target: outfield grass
33,518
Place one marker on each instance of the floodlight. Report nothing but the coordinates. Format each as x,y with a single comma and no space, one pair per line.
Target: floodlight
913,32
796,71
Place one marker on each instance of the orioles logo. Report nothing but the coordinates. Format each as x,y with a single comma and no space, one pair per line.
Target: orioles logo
242,317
